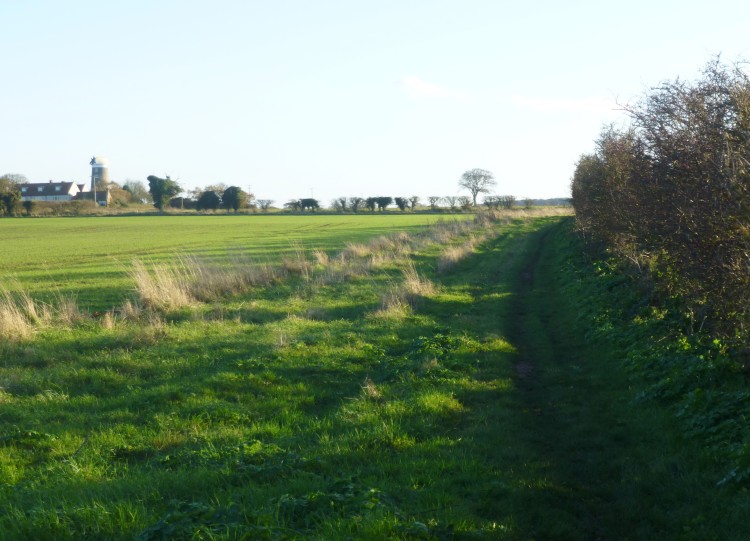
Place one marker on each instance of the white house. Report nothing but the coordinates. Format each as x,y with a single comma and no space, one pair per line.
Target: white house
50,191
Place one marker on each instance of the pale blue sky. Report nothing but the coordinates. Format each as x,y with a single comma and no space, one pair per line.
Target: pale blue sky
334,98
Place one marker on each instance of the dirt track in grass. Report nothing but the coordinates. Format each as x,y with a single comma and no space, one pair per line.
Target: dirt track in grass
599,467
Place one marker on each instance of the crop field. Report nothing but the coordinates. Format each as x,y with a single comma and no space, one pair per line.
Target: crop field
90,258
382,378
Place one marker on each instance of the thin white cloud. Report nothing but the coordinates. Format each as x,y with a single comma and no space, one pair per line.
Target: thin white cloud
589,105
418,89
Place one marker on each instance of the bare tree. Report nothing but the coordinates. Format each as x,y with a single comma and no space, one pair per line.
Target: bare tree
340,204
434,200
356,203
477,181
265,204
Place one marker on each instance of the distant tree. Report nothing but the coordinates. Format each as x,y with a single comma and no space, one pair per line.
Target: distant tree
137,190
477,181
195,193
528,203
401,203
219,187
507,201
309,203
452,201
265,204
491,202
413,202
371,203
434,200
251,203
234,198
340,204
10,194
356,203
15,178
465,202
117,195
209,200
162,190
383,202
294,205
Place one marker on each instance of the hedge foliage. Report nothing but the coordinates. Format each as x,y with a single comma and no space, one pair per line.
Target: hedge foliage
671,192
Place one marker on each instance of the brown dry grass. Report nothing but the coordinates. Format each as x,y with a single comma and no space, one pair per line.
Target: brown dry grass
402,297
21,315
163,287
17,315
193,280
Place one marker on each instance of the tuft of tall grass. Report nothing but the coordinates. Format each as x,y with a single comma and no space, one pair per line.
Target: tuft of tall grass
414,285
20,314
163,287
400,298
321,257
392,306
210,281
355,251
66,310
193,279
453,255
297,263
131,310
17,315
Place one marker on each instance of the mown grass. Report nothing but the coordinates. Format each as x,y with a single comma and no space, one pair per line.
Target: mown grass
312,409
90,258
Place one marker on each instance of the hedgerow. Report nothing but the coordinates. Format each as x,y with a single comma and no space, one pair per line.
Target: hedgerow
671,194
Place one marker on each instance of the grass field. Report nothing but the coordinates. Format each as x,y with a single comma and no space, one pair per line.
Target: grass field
447,389
90,257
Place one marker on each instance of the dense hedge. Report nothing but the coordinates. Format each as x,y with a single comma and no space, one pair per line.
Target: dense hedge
672,192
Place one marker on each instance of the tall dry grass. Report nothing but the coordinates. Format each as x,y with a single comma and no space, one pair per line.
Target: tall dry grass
164,287
21,315
17,315
297,263
407,294
192,279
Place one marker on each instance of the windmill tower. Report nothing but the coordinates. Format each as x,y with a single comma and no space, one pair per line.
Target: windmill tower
99,171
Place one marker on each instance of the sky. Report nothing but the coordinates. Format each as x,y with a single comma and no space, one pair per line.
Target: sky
326,99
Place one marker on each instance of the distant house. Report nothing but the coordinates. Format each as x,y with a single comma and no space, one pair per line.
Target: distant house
62,191
50,191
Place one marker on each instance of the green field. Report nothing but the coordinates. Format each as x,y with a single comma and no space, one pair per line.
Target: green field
453,383
90,257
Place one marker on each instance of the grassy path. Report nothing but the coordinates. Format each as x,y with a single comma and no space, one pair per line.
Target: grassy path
603,467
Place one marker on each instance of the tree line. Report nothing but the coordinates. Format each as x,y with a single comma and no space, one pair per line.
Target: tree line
167,193
671,193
